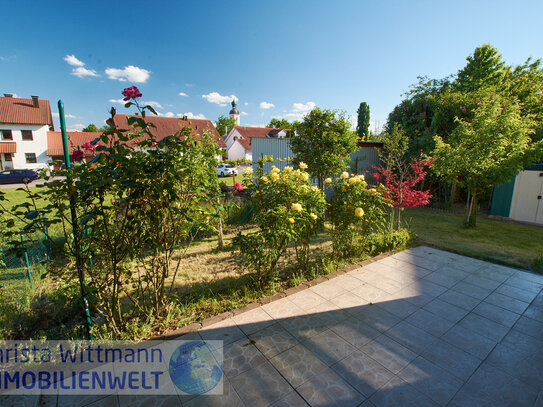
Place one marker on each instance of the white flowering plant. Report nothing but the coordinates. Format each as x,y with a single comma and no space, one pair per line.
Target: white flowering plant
287,210
356,210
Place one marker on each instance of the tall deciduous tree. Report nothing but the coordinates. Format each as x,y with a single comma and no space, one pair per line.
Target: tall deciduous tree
283,124
324,142
484,69
362,129
224,124
487,150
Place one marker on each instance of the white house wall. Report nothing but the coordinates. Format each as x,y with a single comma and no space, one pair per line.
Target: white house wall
230,138
236,151
37,146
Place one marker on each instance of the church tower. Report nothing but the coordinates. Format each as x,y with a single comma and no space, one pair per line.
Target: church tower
234,112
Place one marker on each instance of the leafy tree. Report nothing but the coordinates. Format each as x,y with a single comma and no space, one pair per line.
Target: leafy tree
324,142
487,150
526,83
484,69
283,124
362,129
224,124
401,174
92,128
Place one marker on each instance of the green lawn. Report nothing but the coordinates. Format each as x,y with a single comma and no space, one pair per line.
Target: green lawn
500,242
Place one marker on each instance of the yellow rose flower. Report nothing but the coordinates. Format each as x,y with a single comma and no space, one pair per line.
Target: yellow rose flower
305,176
303,166
359,212
291,220
249,171
344,175
264,179
296,207
328,180
352,181
274,176
315,188
313,216
287,169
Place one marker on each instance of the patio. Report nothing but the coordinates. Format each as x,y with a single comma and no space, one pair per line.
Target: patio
423,327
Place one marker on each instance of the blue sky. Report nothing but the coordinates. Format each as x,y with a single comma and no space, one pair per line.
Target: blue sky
279,58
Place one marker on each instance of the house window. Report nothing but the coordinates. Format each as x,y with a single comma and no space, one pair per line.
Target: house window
31,158
7,157
27,134
6,135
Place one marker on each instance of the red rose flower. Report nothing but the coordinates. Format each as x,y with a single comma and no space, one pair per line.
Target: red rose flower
131,93
239,187
77,155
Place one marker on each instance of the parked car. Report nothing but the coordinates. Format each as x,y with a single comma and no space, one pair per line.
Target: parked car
16,176
226,169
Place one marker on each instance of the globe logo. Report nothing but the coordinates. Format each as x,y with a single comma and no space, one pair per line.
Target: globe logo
196,367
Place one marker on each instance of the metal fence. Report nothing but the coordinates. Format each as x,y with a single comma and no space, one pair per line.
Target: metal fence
20,270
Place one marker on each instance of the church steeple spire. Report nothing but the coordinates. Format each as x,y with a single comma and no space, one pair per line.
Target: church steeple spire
234,112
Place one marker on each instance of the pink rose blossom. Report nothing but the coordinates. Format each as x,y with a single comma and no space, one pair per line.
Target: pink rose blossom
131,93
77,155
89,147
239,187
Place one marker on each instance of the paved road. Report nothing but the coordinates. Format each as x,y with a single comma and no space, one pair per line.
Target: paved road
32,184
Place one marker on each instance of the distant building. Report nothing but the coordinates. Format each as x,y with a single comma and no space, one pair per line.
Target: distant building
164,127
240,139
24,124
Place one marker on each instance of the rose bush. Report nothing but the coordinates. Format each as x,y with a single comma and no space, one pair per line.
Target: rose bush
355,210
286,210
136,203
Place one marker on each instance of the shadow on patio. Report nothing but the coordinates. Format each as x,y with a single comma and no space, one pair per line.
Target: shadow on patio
421,328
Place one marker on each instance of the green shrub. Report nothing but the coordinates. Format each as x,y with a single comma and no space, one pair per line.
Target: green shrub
287,209
355,210
388,240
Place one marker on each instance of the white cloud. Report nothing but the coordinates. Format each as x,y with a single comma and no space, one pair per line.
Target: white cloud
303,107
129,73
188,85
299,110
152,103
68,116
246,104
244,113
266,105
72,60
81,72
256,125
167,114
76,127
217,98
191,115
119,101
183,94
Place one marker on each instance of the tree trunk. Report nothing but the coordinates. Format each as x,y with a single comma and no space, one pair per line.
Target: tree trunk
221,239
471,210
474,209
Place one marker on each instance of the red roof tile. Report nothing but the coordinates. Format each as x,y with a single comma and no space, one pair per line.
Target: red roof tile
75,139
260,132
8,147
22,111
245,143
166,126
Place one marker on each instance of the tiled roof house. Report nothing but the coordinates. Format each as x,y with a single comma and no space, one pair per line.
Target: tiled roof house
24,124
239,140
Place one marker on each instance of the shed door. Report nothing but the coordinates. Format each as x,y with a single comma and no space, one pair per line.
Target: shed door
527,199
